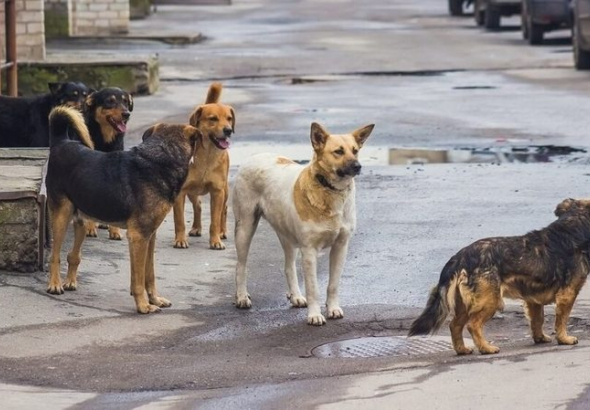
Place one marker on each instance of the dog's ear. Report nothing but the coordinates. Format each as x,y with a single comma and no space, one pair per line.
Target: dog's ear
362,134
89,102
195,117
318,137
192,133
55,88
130,97
149,132
233,119
564,206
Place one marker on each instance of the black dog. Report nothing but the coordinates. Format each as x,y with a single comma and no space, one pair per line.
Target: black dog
106,113
24,120
132,189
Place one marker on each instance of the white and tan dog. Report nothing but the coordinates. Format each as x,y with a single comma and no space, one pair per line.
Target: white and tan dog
310,208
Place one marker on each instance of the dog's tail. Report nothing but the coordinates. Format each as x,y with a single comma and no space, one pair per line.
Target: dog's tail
214,93
440,302
63,119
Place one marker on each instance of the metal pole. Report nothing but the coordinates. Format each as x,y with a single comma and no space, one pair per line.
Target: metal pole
10,21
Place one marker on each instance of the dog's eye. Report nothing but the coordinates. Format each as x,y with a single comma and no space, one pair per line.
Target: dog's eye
355,151
339,151
213,119
76,93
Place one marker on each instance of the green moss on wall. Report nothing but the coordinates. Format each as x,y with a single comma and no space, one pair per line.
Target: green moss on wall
139,77
56,24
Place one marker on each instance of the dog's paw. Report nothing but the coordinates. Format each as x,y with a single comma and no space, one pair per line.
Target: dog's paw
463,351
316,319
55,289
217,245
92,232
70,286
147,308
567,340
243,302
542,339
335,312
194,232
181,244
489,349
160,301
297,301
115,234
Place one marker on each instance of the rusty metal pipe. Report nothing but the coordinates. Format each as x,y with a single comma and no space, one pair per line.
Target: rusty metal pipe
11,72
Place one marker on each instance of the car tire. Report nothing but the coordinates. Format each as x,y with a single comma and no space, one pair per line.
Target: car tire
492,18
456,7
581,56
479,13
536,32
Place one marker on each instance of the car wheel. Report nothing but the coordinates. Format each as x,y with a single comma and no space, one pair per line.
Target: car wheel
492,18
581,56
536,32
456,7
479,13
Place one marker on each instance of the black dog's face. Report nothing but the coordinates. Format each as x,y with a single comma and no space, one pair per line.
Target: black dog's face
70,94
111,108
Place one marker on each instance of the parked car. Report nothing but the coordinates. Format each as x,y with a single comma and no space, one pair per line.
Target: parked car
457,7
541,16
581,34
489,12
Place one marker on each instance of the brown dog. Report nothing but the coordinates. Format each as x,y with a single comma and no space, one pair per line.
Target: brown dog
209,173
542,267
137,197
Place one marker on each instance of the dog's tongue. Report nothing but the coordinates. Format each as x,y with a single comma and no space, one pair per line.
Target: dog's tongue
121,127
223,143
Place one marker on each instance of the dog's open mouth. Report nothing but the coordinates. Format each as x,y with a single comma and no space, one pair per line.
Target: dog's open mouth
118,125
221,143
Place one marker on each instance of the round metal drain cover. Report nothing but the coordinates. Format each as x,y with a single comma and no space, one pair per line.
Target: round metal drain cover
384,346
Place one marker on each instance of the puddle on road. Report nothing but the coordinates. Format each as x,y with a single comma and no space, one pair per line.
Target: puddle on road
383,155
489,155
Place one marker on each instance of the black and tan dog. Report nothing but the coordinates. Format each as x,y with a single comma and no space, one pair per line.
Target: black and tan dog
133,190
209,175
24,120
542,267
106,113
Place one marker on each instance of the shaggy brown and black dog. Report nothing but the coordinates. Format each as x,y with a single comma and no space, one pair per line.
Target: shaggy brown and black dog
542,267
133,190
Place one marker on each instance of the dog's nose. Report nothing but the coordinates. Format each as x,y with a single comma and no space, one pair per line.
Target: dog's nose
227,131
356,167
126,115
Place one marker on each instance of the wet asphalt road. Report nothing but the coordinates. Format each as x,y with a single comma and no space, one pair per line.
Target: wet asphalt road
425,80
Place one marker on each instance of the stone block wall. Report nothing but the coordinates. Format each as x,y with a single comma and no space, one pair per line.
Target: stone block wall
30,30
99,17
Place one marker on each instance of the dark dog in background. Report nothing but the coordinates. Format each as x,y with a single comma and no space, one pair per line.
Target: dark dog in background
542,267
106,113
24,120
132,189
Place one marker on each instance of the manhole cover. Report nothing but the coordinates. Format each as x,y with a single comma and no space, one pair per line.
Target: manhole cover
384,346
